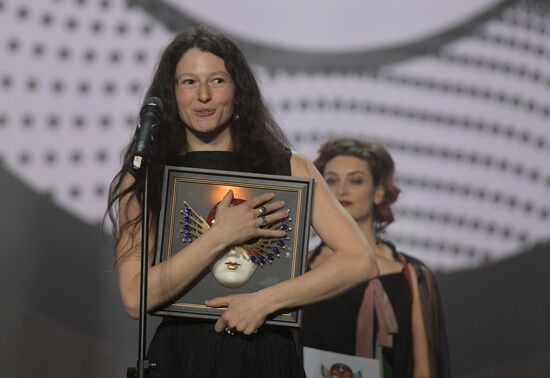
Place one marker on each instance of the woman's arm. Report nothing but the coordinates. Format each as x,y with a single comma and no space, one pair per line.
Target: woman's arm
352,260
420,340
167,280
351,263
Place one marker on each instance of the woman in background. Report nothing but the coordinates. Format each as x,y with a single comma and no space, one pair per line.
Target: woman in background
214,118
395,317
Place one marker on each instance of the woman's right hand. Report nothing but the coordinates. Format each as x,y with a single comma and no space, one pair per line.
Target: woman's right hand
236,224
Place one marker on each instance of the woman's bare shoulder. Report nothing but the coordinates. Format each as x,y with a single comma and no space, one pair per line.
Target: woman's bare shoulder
302,166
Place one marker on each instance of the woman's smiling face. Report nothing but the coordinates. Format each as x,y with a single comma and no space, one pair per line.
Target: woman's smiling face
205,91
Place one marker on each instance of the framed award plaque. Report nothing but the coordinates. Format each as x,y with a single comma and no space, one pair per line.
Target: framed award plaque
189,200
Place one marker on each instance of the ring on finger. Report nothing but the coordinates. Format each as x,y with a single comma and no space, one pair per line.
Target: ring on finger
262,210
230,331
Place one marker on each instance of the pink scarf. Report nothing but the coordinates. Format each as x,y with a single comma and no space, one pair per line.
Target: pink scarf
374,299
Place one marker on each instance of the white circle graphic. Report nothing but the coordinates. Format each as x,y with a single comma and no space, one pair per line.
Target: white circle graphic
332,26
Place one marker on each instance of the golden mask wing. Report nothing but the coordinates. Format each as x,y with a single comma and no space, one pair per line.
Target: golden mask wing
265,250
192,225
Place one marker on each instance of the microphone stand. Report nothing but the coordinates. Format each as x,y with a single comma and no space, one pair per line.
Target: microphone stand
150,115
143,365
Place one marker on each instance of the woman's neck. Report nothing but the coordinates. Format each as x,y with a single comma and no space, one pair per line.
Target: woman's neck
367,227
220,141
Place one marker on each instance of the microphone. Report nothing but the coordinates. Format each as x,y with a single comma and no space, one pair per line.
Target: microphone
149,119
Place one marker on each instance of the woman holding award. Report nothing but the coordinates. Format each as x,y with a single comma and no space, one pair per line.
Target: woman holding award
214,118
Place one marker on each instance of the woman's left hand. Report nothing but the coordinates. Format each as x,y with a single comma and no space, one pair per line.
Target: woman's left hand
245,313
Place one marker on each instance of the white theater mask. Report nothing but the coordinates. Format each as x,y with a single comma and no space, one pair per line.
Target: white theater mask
234,268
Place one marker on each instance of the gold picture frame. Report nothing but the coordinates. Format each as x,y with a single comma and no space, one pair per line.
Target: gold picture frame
189,196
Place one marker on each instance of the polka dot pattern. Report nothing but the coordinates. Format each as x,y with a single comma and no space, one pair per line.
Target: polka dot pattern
467,126
466,123
77,71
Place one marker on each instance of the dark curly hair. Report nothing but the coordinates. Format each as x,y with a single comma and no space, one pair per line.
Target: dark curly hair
381,166
257,139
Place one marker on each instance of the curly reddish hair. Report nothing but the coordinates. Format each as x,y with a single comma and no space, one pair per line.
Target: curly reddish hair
381,166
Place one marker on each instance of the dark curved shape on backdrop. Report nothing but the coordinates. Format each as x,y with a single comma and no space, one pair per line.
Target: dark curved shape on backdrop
61,311
61,307
497,317
294,60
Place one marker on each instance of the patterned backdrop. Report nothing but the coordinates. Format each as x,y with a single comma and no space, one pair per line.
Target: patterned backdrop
463,106
459,92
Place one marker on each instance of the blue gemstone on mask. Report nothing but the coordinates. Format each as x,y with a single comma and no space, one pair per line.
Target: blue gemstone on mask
276,250
270,257
284,227
281,243
188,235
187,219
262,260
253,259
187,227
188,211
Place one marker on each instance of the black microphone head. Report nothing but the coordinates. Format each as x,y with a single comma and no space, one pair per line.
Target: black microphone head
152,105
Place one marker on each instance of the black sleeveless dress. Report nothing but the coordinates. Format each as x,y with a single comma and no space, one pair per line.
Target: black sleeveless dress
331,324
184,347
